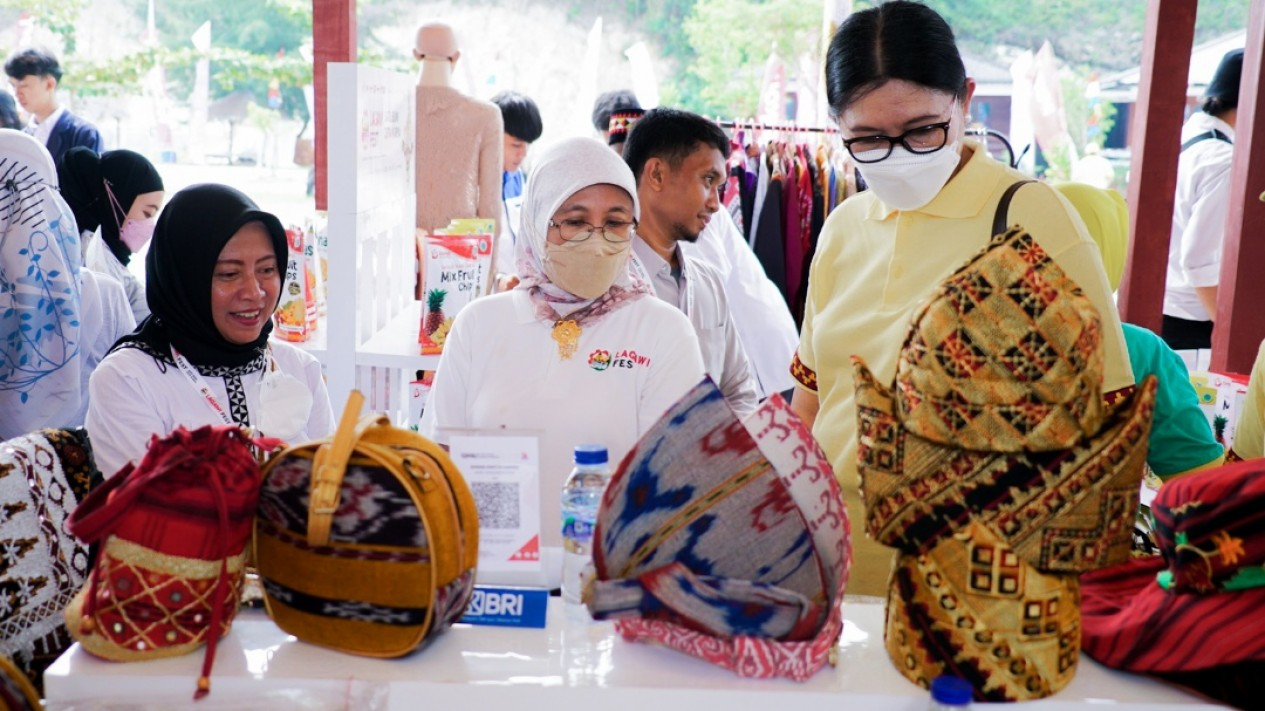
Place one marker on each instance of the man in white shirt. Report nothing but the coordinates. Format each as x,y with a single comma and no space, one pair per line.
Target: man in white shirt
1199,210
678,159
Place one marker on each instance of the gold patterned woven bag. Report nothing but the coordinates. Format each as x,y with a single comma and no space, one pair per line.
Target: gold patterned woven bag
366,542
996,470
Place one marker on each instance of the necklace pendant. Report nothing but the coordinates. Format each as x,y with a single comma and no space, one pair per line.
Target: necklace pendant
567,335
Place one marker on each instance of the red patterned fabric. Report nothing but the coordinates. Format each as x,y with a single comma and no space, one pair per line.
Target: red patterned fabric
1199,605
174,531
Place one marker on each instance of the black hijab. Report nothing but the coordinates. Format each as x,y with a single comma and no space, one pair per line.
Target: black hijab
83,176
191,232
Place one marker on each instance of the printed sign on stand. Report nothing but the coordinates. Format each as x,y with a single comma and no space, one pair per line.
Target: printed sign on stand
503,470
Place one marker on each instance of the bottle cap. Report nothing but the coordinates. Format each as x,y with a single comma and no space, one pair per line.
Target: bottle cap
590,454
951,690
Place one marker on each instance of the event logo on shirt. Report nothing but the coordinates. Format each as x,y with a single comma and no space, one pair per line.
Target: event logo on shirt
600,360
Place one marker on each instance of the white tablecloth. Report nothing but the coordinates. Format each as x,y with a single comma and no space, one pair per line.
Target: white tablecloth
573,664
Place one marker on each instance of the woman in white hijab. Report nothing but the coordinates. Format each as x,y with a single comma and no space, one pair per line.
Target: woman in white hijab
580,352
57,319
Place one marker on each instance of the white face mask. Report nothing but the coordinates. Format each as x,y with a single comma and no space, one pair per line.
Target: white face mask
285,404
907,181
586,268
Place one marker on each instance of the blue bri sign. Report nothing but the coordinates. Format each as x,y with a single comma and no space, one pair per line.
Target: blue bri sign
507,607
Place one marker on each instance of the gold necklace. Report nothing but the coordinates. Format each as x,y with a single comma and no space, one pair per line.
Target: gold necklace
567,334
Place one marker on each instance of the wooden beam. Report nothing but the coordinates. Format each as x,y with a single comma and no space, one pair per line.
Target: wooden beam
1240,318
1156,134
333,40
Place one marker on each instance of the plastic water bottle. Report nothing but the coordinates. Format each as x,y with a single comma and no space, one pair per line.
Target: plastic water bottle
950,693
580,498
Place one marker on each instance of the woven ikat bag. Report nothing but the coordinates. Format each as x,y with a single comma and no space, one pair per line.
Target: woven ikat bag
366,542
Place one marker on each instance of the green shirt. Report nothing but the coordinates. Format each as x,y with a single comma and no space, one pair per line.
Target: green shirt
1181,439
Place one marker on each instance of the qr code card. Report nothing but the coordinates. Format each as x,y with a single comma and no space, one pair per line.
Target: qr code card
503,472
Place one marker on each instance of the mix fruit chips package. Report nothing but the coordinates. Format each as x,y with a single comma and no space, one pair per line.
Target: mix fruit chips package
296,296
456,263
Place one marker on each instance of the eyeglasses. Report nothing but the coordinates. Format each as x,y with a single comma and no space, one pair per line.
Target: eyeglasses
921,140
578,230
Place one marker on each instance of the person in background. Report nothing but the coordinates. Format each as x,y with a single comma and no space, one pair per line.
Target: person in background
61,318
580,351
9,112
1199,209
1249,432
1181,439
115,197
523,127
35,75
619,101
899,92
760,313
213,279
678,159
621,124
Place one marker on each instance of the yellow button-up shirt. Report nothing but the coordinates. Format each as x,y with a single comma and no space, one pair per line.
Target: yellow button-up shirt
874,265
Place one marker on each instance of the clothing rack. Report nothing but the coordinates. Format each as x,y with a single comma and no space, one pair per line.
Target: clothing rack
788,127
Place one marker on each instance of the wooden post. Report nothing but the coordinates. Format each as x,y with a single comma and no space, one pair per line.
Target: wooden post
1156,133
1240,318
333,40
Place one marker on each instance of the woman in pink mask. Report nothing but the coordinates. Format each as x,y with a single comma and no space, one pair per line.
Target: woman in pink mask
117,196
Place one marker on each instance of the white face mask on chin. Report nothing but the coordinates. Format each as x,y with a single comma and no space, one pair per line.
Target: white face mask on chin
907,181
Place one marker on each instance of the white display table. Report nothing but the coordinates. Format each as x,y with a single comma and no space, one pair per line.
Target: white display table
574,663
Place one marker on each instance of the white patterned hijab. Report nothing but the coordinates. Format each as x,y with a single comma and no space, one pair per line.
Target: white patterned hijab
40,360
562,170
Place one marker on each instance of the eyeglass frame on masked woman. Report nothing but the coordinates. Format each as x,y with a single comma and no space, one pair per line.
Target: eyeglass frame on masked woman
903,139
621,229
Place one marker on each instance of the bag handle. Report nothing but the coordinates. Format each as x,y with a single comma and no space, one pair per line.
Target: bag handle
1003,207
330,463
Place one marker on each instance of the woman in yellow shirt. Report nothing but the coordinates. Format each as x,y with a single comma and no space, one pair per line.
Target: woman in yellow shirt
900,95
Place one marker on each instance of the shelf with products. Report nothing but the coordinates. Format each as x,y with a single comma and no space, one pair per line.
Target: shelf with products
395,345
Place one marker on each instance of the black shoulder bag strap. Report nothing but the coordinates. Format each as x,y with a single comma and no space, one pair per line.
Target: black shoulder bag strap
1205,136
1003,207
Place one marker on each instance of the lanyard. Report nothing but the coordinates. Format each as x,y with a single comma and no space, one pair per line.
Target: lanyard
200,385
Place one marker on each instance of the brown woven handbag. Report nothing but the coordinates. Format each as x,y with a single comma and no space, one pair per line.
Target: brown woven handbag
366,542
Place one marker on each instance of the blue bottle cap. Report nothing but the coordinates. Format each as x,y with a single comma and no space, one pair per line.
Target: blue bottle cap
590,454
951,690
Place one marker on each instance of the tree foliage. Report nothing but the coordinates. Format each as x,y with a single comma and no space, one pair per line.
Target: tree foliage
733,39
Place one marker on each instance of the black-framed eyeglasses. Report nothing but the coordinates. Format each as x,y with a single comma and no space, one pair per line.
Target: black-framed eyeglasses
921,140
615,231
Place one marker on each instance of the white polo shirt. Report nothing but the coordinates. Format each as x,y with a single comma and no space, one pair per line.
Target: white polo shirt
1199,210
501,370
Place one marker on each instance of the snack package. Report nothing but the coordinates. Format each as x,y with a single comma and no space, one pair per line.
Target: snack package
292,311
314,260
1221,397
455,270
419,390
322,258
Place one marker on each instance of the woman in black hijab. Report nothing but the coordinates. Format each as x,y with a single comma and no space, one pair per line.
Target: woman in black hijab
116,195
213,280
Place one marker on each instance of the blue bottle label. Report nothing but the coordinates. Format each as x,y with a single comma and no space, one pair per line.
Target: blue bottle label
577,529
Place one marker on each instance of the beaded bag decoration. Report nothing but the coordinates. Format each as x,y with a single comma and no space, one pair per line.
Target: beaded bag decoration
174,532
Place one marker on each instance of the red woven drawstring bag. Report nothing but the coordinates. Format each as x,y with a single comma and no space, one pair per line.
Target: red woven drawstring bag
174,532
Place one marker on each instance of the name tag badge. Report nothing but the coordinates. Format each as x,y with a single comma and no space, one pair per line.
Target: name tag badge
507,607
